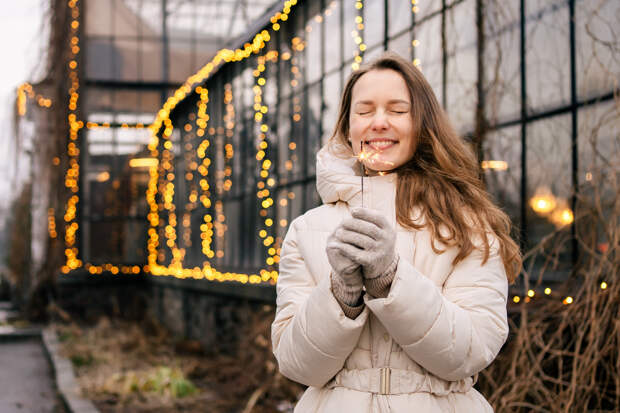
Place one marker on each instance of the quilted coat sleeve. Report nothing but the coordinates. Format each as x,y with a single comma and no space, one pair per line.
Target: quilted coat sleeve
311,336
454,333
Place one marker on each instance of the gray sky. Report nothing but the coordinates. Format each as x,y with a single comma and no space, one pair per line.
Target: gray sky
21,43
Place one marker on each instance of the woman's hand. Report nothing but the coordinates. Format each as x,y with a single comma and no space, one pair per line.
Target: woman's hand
347,280
368,239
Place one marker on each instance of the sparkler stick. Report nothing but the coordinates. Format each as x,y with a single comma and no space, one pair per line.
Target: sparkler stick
363,169
371,157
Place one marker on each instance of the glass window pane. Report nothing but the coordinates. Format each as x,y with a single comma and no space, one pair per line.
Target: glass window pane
96,100
285,165
149,15
350,29
402,45
231,250
462,67
99,18
332,35
108,248
313,42
599,155
313,125
429,53
548,194
598,69
503,66
126,101
283,216
331,100
126,23
295,199
599,147
547,55
151,60
374,23
298,136
501,164
181,53
400,16
100,59
131,140
426,8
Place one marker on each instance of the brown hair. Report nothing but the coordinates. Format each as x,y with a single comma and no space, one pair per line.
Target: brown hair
441,179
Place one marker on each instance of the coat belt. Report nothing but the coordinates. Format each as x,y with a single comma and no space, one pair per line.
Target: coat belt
389,381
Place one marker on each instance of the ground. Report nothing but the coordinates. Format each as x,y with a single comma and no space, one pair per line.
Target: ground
138,367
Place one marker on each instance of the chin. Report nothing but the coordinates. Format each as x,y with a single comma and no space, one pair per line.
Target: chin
380,166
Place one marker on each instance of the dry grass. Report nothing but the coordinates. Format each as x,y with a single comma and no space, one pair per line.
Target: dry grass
130,367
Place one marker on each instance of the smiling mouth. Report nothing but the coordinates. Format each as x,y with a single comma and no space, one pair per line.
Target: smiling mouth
379,144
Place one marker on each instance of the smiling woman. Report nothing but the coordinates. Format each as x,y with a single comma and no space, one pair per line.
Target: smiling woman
404,303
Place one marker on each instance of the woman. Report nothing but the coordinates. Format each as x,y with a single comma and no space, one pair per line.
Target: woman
392,295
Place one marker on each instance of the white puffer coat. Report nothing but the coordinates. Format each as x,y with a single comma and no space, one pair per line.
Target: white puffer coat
419,349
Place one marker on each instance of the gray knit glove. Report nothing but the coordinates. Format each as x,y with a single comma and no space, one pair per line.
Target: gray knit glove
346,277
369,240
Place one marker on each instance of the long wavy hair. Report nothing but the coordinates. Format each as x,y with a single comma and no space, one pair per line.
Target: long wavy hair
439,188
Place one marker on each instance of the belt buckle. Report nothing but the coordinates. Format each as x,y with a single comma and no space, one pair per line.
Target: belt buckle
384,387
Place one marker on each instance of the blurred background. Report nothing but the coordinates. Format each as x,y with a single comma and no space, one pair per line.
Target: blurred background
159,149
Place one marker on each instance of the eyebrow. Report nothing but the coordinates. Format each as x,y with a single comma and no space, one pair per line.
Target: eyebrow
390,102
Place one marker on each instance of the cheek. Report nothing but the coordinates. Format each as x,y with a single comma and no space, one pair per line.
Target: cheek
356,131
355,127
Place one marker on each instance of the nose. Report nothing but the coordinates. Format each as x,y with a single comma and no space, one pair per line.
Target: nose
379,121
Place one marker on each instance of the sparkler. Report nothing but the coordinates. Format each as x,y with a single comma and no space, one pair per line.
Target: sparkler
371,157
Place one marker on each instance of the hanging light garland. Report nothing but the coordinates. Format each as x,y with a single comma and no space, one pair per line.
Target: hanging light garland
25,91
73,171
266,182
358,35
206,226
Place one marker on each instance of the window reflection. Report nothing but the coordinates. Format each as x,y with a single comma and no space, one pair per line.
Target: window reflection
549,191
547,54
501,165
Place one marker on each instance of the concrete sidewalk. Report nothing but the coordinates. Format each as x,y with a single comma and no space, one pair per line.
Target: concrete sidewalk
26,377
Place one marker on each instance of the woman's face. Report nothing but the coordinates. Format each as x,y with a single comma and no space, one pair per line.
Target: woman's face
381,121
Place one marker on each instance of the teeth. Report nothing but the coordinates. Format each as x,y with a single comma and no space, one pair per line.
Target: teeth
380,144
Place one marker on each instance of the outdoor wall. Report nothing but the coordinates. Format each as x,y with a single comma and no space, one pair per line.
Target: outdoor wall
215,315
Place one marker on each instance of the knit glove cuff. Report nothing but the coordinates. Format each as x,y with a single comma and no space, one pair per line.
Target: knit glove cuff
348,295
379,287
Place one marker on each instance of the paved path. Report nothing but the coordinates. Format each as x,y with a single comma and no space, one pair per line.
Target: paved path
26,380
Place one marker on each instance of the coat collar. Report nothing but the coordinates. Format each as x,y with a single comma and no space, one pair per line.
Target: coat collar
339,179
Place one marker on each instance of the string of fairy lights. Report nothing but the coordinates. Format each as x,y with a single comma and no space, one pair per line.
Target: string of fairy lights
160,194
266,181
26,91
73,171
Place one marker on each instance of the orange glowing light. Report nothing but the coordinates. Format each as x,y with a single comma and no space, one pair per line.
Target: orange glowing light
543,201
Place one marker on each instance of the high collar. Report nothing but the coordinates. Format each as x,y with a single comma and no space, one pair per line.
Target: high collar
339,178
